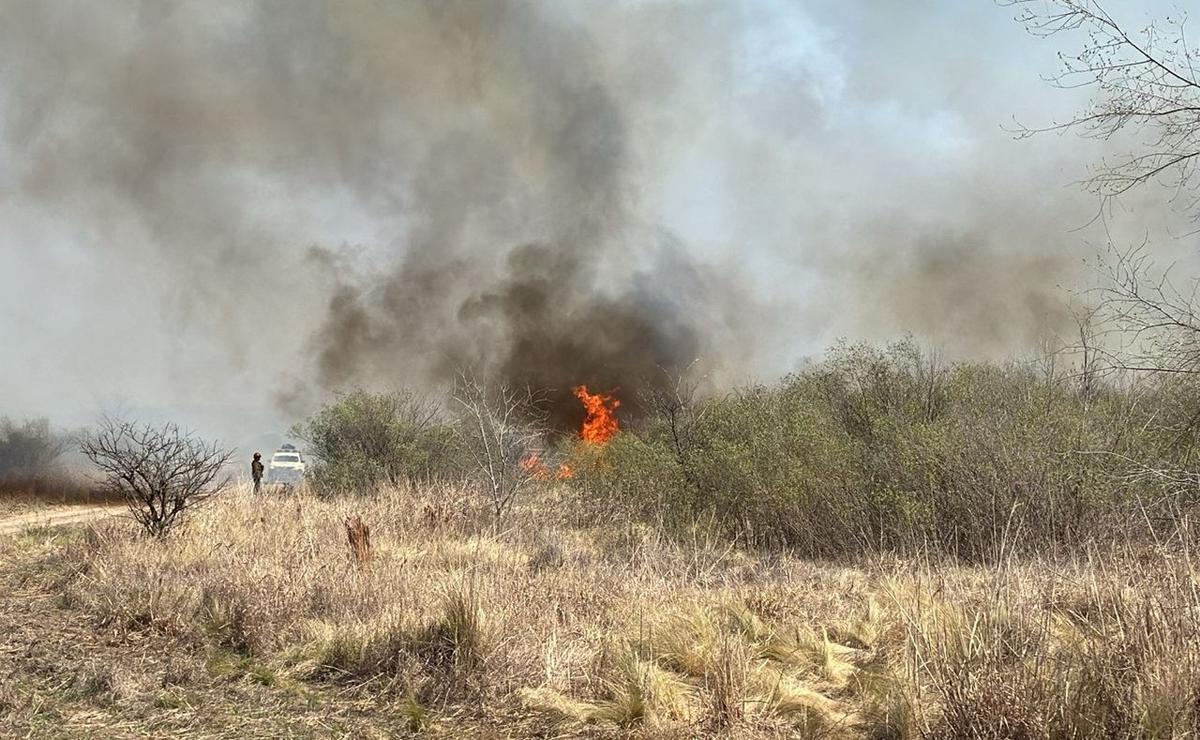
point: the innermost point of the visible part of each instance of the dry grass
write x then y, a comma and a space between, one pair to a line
24, 494
550, 628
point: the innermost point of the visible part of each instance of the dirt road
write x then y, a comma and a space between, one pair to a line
54, 516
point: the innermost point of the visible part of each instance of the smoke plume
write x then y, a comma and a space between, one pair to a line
269, 201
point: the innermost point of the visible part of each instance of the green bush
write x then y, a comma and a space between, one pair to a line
365, 439
891, 450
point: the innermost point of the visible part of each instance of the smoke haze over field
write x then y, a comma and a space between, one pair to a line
233, 209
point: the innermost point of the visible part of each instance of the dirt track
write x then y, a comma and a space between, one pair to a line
54, 516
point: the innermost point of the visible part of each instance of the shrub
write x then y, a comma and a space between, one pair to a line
365, 439
892, 450
160, 472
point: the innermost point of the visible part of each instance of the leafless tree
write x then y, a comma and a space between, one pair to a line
1089, 357
503, 430
1150, 323
1088, 367
931, 372
160, 472
675, 402
1145, 82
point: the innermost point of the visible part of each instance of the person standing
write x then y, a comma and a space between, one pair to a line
256, 471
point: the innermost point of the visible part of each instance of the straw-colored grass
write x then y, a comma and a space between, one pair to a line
551, 627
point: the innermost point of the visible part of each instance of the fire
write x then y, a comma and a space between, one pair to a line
600, 425
532, 464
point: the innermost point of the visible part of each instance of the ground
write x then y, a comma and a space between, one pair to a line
41, 517
63, 676
258, 620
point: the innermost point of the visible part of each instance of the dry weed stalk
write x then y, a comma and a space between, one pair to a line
358, 534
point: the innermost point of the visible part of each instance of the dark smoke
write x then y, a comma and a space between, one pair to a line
570, 306
544, 322
490, 142
264, 202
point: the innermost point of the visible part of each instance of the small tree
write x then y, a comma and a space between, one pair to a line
502, 430
160, 472
1146, 95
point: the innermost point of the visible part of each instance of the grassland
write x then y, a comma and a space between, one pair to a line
255, 620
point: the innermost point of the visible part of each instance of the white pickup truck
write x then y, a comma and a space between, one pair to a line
286, 466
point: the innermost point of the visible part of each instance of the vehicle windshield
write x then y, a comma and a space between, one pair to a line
286, 458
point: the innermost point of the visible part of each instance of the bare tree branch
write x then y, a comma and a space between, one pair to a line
1145, 83
160, 472
503, 430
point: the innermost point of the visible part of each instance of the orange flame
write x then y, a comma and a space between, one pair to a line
532, 464
600, 425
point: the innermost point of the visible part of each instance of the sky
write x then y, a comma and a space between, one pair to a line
222, 213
